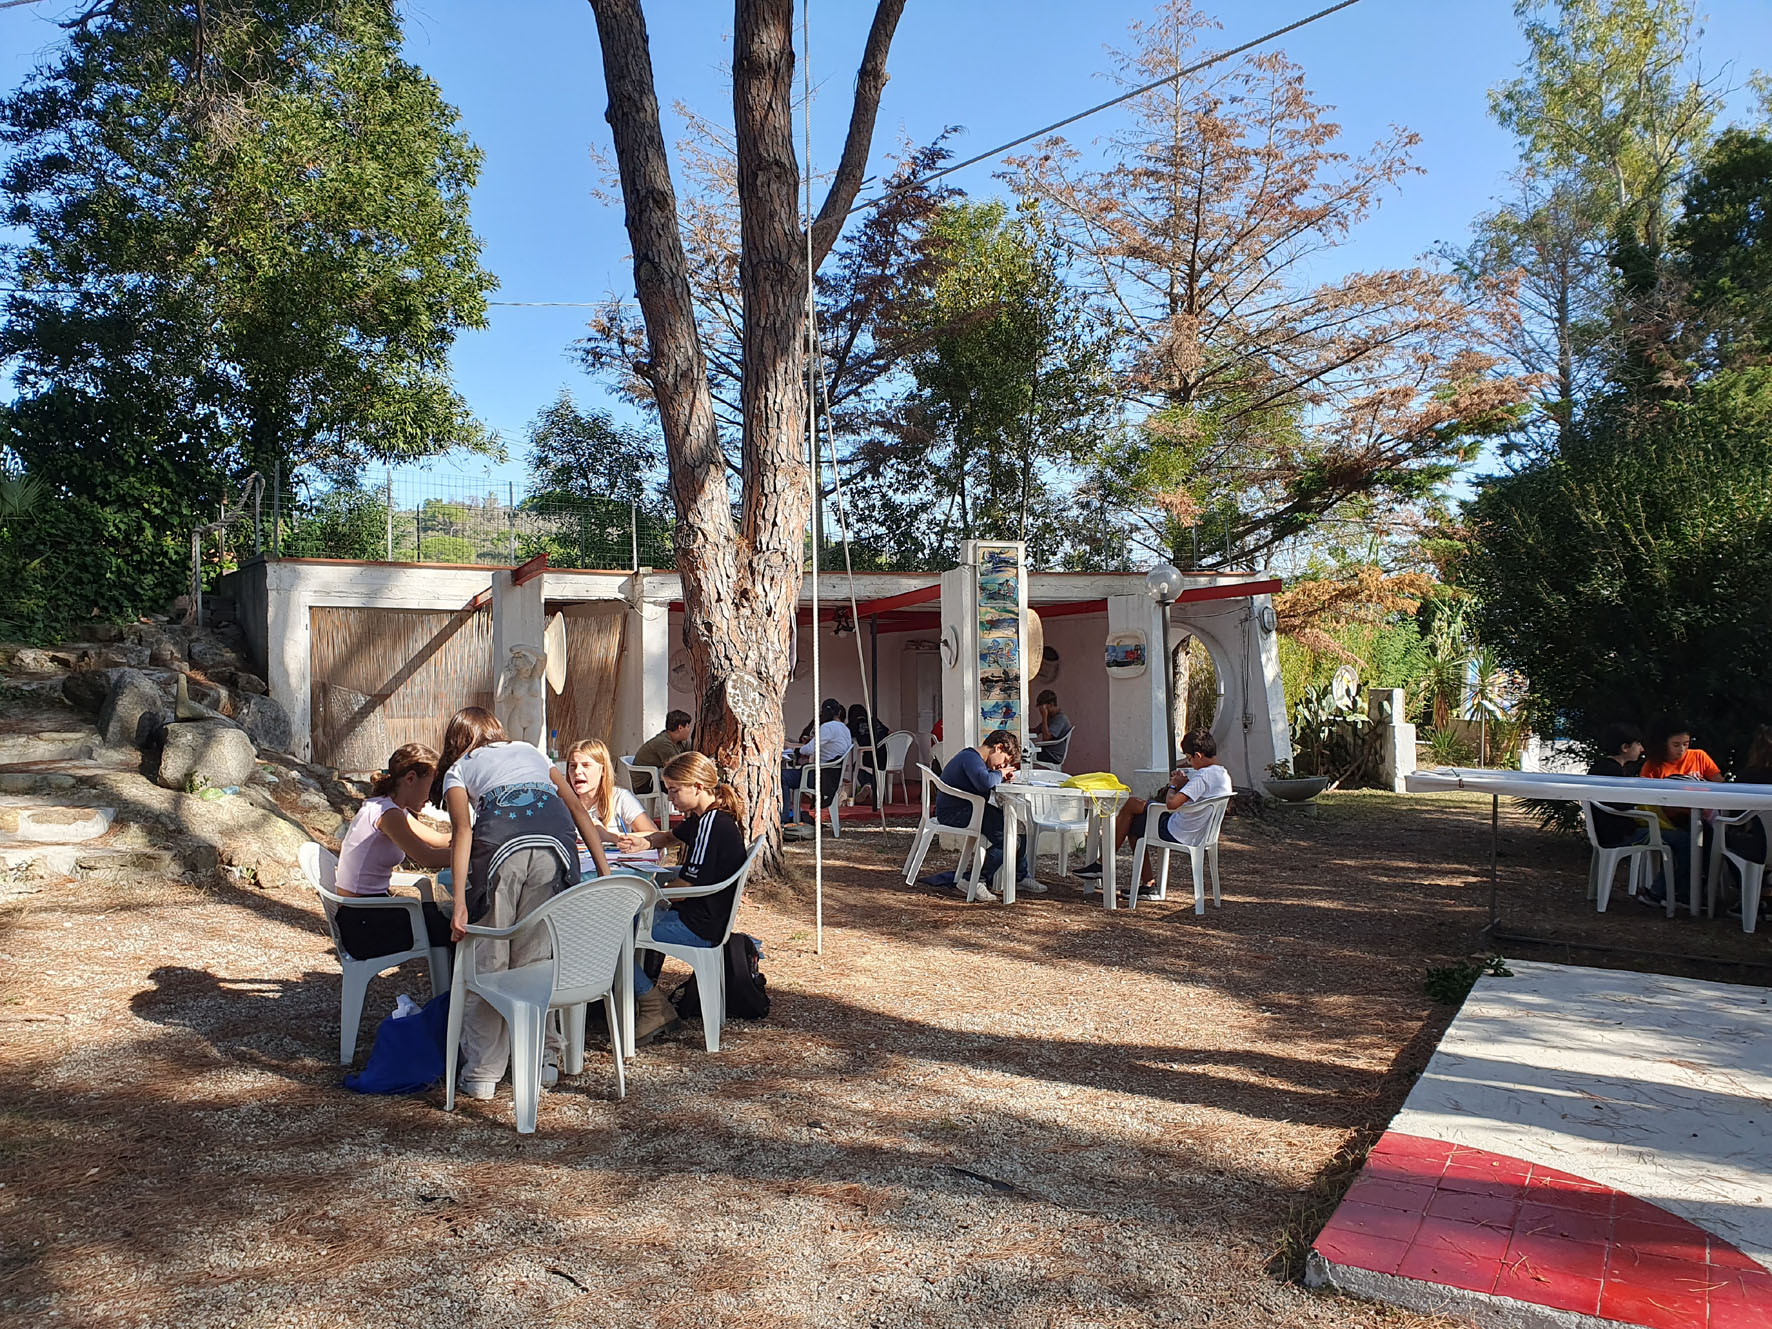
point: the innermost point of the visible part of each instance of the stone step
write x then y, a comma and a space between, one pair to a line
61, 825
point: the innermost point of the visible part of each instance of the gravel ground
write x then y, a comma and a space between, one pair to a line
956, 1115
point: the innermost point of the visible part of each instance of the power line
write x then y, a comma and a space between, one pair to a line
1114, 101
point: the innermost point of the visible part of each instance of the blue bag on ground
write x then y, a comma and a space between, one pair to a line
408, 1052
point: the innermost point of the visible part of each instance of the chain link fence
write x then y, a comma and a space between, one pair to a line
458, 519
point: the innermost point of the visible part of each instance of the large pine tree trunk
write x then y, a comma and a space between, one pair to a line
740, 586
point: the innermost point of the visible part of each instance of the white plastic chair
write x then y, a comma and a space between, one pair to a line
657, 803
708, 962
1059, 746
971, 835
1753, 875
807, 789
320, 866
591, 927
1198, 855
894, 749
1062, 816
1602, 869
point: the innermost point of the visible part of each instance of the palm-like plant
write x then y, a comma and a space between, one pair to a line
20, 493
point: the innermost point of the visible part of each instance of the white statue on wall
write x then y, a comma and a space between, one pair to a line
519, 699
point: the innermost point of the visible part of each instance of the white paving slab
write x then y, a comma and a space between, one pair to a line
1659, 1087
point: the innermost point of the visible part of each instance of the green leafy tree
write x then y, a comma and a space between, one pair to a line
244, 238
1009, 393
1632, 572
584, 454
1723, 249
1610, 111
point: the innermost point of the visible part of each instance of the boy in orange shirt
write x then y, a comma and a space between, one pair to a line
1672, 757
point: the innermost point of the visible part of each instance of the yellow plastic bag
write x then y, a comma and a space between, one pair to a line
1102, 781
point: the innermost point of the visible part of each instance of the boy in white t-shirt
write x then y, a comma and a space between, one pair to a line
1203, 778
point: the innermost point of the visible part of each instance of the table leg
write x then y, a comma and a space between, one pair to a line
1109, 888
1693, 863
1006, 873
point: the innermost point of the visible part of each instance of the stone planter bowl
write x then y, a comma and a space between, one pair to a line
1297, 790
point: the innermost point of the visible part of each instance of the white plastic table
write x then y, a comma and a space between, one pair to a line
1694, 795
1015, 797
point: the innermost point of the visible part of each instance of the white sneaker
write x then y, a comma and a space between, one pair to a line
550, 1075
477, 1089
983, 893
1030, 886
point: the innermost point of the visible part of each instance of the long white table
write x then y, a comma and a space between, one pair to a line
1017, 799
1695, 795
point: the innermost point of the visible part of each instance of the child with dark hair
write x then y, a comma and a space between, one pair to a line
516, 826
1052, 727
1622, 745
1204, 777
980, 770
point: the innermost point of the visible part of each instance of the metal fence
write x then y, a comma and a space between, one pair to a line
455, 518
460, 519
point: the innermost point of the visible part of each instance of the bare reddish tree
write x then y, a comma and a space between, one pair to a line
741, 580
1275, 395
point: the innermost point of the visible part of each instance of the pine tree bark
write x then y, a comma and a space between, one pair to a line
741, 584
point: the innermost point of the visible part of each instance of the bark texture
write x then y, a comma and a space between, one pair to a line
741, 583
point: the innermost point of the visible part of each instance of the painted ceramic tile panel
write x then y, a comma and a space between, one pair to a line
999, 637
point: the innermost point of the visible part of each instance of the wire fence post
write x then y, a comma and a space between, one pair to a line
277, 510
634, 527
258, 507
511, 517
390, 514
418, 534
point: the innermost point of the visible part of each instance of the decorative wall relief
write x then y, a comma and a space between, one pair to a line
1125, 657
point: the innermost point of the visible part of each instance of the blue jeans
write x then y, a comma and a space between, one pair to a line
668, 925
992, 827
1680, 842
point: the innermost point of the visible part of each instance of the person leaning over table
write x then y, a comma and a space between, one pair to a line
385, 833
1672, 757
713, 833
979, 771
1202, 778
515, 826
868, 734
659, 750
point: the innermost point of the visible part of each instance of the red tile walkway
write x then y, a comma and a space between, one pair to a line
1483, 1222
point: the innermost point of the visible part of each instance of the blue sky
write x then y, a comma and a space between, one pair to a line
527, 78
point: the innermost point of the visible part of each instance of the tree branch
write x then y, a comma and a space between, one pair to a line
870, 82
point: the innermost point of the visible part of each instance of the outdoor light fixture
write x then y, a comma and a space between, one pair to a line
1164, 585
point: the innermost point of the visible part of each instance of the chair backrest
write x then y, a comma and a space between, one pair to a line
895, 748
587, 924
1215, 817
739, 879
831, 776
1055, 749
976, 800
631, 769
1587, 821
320, 866
1053, 809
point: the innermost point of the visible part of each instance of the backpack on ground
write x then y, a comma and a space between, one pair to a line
747, 990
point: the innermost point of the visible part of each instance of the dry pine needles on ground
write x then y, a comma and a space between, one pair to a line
957, 1115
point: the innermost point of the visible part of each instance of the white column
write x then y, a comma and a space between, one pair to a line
1137, 736
1270, 725
289, 654
959, 660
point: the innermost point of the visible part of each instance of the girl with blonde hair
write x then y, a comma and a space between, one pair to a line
713, 833
618, 814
